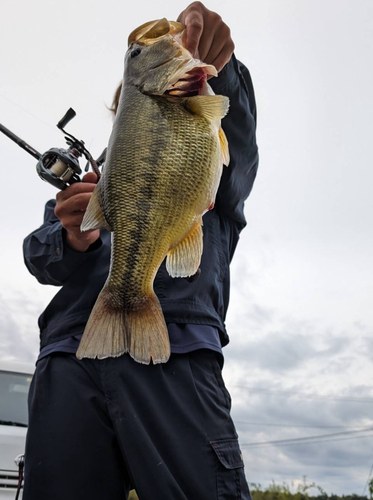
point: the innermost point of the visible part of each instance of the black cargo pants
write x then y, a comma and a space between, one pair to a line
101, 427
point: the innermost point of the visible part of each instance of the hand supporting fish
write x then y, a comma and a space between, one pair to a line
71, 204
163, 167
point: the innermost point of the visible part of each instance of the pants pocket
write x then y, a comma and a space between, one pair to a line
231, 481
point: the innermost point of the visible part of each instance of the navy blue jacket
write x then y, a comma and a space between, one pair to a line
204, 302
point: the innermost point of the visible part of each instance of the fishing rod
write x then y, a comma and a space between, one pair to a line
60, 167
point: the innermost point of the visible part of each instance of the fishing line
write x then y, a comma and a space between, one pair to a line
28, 112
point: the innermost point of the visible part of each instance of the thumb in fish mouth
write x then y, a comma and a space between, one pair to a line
151, 31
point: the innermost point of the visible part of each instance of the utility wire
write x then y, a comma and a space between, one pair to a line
294, 426
305, 396
366, 484
307, 438
312, 442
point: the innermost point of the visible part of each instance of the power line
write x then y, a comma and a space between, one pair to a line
316, 441
366, 484
294, 426
304, 395
307, 438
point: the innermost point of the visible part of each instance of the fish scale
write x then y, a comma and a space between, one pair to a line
164, 162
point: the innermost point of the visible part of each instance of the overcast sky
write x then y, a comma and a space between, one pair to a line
300, 320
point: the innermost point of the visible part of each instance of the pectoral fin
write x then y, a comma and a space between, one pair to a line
184, 259
94, 217
212, 107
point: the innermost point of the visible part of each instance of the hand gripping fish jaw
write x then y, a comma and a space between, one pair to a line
59, 167
172, 70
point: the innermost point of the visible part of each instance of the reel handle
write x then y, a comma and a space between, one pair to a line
70, 114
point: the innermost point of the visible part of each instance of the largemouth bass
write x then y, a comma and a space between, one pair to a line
164, 162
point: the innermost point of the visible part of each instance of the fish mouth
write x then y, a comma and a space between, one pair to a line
190, 79
190, 84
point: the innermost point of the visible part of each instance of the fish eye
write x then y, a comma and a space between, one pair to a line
135, 52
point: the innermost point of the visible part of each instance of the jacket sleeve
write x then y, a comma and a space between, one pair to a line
46, 254
239, 125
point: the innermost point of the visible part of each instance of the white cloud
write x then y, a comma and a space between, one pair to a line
19, 333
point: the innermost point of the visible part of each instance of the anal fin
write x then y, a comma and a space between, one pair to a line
184, 259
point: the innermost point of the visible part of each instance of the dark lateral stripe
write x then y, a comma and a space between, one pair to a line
147, 152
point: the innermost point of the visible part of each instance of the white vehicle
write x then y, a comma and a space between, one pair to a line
15, 379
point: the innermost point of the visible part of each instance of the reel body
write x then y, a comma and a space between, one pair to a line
60, 167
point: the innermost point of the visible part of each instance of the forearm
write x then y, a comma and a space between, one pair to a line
240, 128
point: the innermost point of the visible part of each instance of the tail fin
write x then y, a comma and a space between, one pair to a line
113, 331
147, 332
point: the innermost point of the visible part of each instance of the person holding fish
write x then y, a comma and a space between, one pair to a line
128, 391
